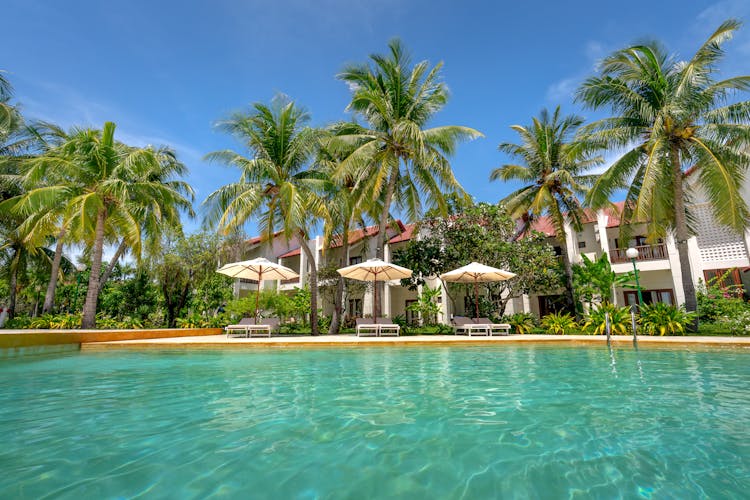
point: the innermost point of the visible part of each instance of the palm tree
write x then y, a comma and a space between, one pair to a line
552, 169
8, 113
276, 185
102, 190
396, 155
346, 209
671, 115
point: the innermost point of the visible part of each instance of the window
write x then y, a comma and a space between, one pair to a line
665, 296
581, 244
357, 259
551, 304
355, 308
733, 280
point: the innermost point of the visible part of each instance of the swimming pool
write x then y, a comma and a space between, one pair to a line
415, 422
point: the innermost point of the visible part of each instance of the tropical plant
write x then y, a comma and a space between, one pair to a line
717, 300
620, 321
664, 319
553, 170
677, 124
109, 191
559, 323
426, 305
521, 323
594, 280
737, 323
184, 270
276, 185
396, 156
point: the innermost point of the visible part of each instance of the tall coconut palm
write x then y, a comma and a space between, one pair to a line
553, 170
277, 185
48, 208
106, 190
346, 209
672, 115
396, 154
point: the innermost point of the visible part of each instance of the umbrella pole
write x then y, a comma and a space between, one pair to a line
476, 299
257, 293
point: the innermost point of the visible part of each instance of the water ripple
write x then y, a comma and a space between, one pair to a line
474, 422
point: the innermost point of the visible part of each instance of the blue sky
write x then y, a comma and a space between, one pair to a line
166, 71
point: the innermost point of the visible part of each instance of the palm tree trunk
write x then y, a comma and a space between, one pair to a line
681, 236
383, 233
13, 285
49, 297
569, 299
313, 284
112, 263
338, 298
92, 294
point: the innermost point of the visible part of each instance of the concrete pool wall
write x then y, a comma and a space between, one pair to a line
27, 342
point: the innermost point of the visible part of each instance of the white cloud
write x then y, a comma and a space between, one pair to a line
562, 90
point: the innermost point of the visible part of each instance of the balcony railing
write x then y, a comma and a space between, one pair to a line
645, 252
292, 281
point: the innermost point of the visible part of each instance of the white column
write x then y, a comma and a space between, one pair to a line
318, 251
674, 268
419, 294
444, 304
696, 262
367, 301
385, 308
302, 268
602, 220
571, 243
525, 304
278, 282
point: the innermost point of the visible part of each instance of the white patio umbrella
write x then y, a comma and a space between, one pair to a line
374, 270
258, 270
476, 273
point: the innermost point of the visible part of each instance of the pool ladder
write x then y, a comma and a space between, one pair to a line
608, 327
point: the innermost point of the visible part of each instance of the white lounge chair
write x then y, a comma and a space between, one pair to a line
264, 327
366, 328
386, 327
240, 329
495, 328
464, 325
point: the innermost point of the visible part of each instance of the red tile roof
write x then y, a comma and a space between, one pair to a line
360, 234
544, 224
257, 239
406, 234
291, 253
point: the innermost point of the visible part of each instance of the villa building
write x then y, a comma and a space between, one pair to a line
713, 251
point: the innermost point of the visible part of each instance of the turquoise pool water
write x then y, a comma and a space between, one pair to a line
417, 422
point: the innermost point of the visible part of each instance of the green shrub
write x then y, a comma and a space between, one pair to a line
324, 323
717, 301
521, 323
664, 319
619, 320
559, 323
19, 322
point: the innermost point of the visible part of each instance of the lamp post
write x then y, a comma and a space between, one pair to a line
632, 254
